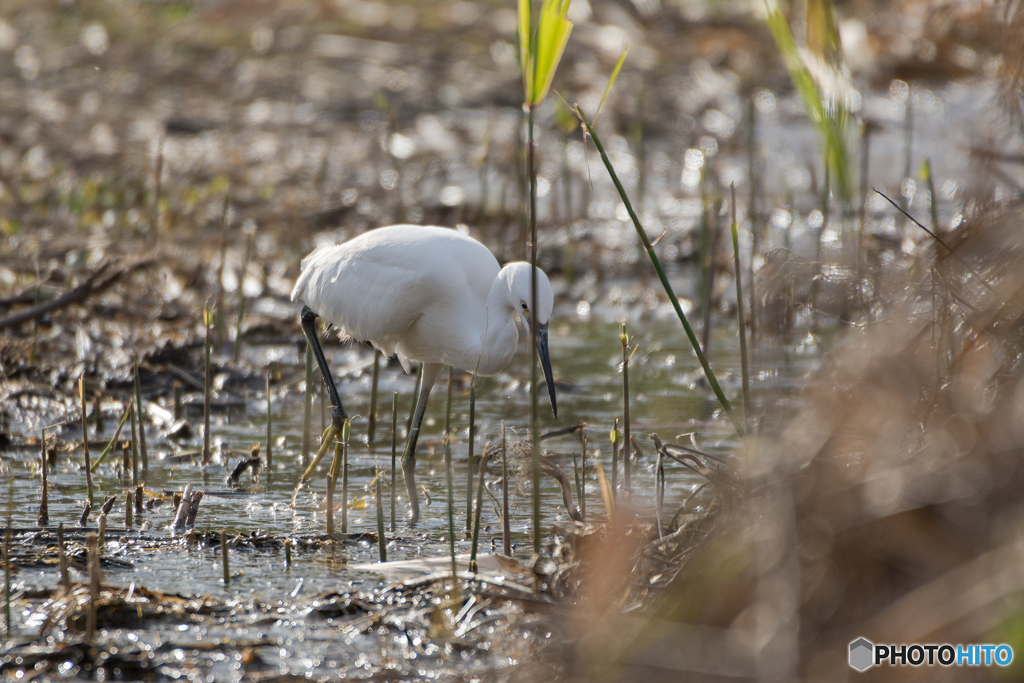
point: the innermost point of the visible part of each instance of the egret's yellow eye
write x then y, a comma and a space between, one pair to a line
524, 305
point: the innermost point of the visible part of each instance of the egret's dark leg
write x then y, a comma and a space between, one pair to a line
308, 320
430, 373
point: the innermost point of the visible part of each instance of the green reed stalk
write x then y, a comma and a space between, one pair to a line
755, 230
740, 320
394, 452
154, 212
219, 302
142, 421
44, 506
534, 432
926, 169
85, 438
642, 234
706, 275
176, 399
908, 147
62, 558
541, 44
415, 393
224, 556
583, 474
469, 458
135, 445
382, 542
110, 447
325, 443
307, 405
506, 527
332, 478
329, 500
624, 339
865, 156
336, 463
35, 322
830, 116
7, 581
371, 426
576, 477
615, 436
236, 347
270, 422
344, 477
207, 319
448, 471
659, 492
97, 413
826, 192
479, 505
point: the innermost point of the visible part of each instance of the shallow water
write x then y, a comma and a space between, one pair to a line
668, 396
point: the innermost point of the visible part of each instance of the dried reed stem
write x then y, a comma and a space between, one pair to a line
91, 543
62, 558
224, 556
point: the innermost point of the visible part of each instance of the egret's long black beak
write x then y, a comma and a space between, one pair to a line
545, 362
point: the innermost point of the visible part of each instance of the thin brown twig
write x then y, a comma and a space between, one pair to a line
92, 285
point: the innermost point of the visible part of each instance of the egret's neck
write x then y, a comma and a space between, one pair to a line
500, 335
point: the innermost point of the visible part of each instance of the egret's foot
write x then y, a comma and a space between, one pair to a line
338, 418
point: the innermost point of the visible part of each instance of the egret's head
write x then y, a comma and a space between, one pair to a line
517, 276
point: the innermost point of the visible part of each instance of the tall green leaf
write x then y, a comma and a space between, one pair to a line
541, 47
826, 111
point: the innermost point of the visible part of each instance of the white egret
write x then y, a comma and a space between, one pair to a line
429, 295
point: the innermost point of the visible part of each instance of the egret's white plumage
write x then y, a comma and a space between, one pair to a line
428, 294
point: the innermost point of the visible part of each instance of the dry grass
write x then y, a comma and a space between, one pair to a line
889, 506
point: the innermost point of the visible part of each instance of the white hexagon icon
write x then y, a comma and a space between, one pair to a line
862, 654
